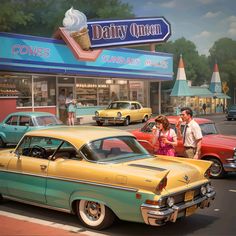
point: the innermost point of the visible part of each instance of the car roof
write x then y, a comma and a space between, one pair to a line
31, 113
173, 119
79, 135
125, 101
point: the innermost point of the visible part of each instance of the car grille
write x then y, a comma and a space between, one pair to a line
180, 197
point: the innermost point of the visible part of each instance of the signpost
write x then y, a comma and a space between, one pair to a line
110, 33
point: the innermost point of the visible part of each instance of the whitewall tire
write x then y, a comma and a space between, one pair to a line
94, 215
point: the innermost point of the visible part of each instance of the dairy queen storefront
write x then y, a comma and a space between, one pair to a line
33, 71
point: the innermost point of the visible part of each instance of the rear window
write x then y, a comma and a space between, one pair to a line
113, 149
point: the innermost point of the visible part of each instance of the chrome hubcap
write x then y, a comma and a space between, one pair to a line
93, 210
215, 168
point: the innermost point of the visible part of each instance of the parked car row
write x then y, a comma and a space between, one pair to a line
100, 174
220, 149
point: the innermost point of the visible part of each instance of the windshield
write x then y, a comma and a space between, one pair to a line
119, 105
233, 107
114, 149
47, 120
208, 128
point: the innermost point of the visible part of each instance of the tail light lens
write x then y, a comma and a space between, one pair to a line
208, 173
161, 185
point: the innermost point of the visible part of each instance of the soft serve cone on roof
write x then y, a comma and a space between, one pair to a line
76, 23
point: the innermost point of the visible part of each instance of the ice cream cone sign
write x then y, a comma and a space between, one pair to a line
75, 23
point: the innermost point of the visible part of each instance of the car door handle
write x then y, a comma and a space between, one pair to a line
43, 167
1, 165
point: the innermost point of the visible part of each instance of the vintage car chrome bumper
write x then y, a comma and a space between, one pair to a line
109, 119
156, 216
230, 166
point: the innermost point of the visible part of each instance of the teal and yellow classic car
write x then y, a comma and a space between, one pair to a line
16, 124
122, 112
99, 174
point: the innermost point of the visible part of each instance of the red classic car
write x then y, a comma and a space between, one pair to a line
220, 149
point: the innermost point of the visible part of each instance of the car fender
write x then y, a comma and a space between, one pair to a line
206, 156
147, 114
108, 200
125, 113
87, 195
3, 136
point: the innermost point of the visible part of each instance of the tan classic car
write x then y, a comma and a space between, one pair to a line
101, 173
123, 112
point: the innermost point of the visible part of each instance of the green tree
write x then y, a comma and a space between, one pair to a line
196, 67
43, 17
12, 15
224, 53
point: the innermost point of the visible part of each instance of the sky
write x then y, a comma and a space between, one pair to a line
200, 21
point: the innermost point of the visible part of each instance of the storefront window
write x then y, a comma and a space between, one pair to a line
18, 86
103, 93
44, 91
86, 91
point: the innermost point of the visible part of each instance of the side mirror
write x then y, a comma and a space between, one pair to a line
17, 154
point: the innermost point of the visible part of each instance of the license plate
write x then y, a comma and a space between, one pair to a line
189, 196
191, 210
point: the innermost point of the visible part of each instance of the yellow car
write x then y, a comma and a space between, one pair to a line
123, 112
100, 174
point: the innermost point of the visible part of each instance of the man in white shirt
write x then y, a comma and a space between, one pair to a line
192, 134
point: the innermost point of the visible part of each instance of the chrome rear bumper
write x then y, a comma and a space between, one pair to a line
156, 216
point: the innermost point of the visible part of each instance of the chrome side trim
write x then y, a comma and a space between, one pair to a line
74, 181
37, 204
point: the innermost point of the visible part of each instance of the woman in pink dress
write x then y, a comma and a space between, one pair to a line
165, 138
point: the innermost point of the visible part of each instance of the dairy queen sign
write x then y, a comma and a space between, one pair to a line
128, 32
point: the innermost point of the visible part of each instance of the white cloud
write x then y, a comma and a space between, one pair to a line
230, 23
232, 26
232, 31
170, 4
232, 18
203, 34
210, 14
